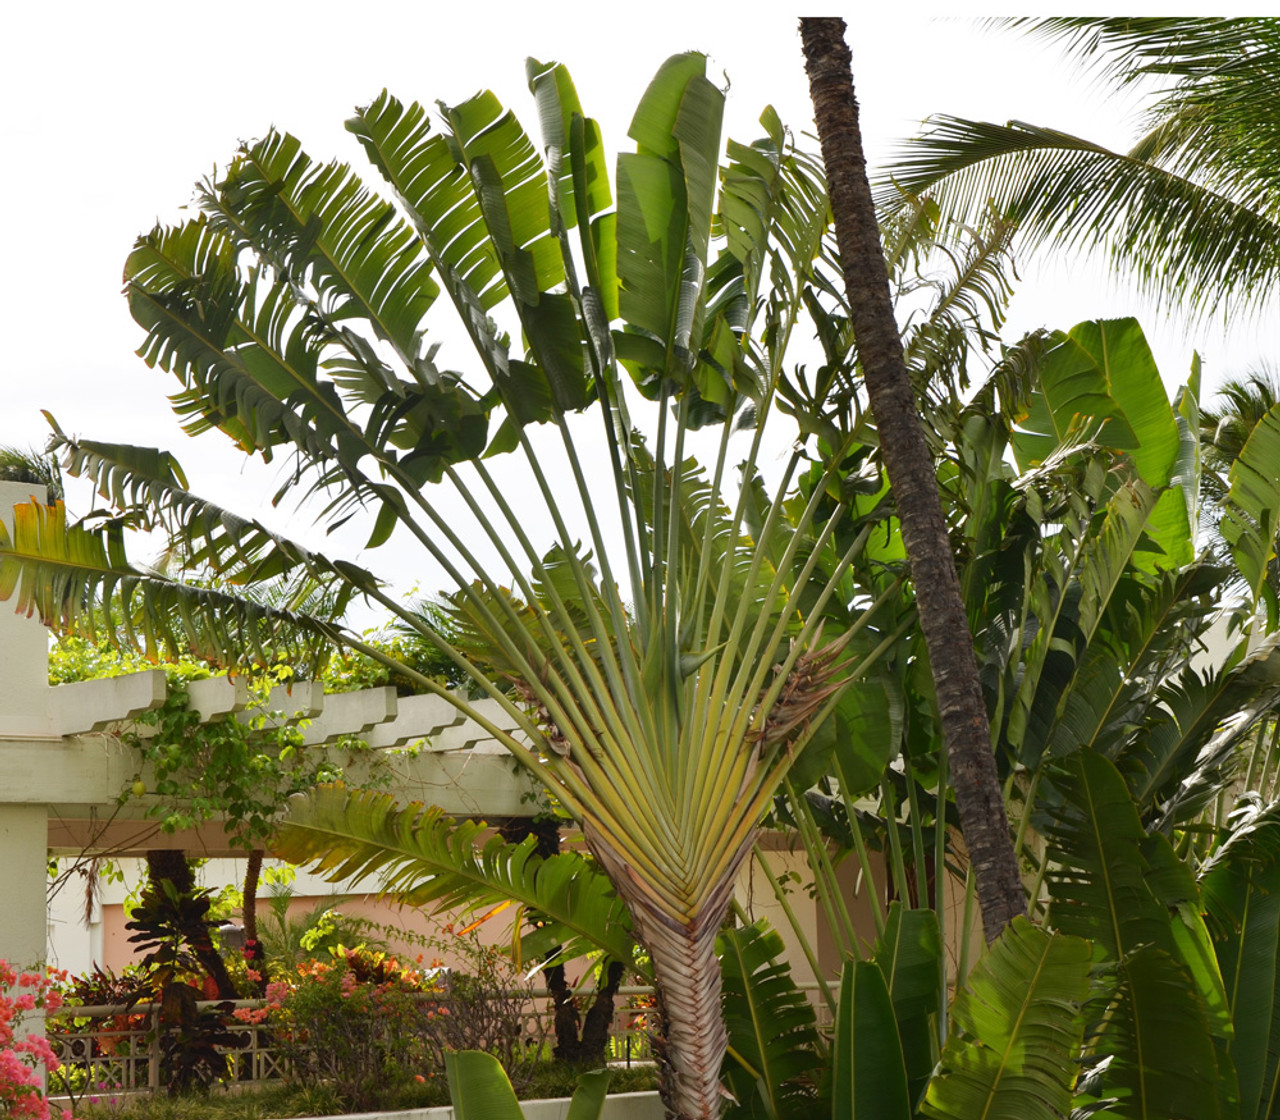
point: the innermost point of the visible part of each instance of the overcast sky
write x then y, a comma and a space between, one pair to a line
112, 111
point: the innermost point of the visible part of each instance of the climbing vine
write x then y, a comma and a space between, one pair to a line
201, 769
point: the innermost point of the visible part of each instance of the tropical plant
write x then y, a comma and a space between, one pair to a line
1190, 210
661, 688
479, 1089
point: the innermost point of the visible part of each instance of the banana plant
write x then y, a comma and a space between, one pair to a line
661, 672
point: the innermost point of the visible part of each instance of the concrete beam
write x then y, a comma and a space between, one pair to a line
89, 771
469, 735
93, 705
417, 717
218, 696
351, 713
462, 784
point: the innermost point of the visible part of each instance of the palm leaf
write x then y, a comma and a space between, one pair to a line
1090, 569
79, 579
1182, 240
909, 952
1251, 513
323, 229
1188, 750
1017, 1028
1240, 885
426, 858
773, 1036
1163, 1059
1165, 1004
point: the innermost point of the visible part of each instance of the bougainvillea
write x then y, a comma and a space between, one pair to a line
21, 1057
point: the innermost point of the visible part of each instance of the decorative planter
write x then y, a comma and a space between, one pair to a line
620, 1106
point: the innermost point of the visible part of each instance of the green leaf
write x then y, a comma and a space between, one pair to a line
429, 858
1072, 399
1101, 380
868, 727
1016, 1031
909, 952
1121, 354
1163, 1060
479, 1088
434, 186
1240, 885
1251, 514
325, 227
588, 1098
1126, 890
771, 1027
79, 580
1073, 616
868, 1075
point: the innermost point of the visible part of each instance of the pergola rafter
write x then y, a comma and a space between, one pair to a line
63, 763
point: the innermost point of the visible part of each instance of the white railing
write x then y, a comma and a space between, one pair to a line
117, 1049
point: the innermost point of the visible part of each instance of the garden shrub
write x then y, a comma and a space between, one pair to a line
21, 1086
363, 1038
366, 1025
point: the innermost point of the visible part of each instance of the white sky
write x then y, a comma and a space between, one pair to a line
112, 111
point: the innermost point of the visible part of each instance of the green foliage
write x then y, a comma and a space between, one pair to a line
909, 952
1240, 888
369, 1025
1017, 1031
773, 1035
357, 1023
868, 1075
1162, 1013
202, 769
290, 942
428, 858
479, 1089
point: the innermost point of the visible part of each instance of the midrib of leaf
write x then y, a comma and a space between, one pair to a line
319, 246
1006, 1053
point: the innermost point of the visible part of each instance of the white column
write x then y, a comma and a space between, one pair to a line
24, 644
24, 828
24, 841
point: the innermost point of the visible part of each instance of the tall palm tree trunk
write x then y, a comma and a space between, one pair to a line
965, 728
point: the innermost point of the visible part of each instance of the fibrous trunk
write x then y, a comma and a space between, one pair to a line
692, 1040
962, 710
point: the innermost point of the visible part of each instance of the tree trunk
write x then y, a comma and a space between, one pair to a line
577, 1041
965, 728
254, 954
599, 1017
171, 864
692, 1039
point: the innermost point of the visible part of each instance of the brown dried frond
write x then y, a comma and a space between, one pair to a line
808, 686
555, 738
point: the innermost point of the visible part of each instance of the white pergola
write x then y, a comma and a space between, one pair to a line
63, 766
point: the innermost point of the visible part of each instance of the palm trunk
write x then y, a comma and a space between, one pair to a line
599, 1016
965, 728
